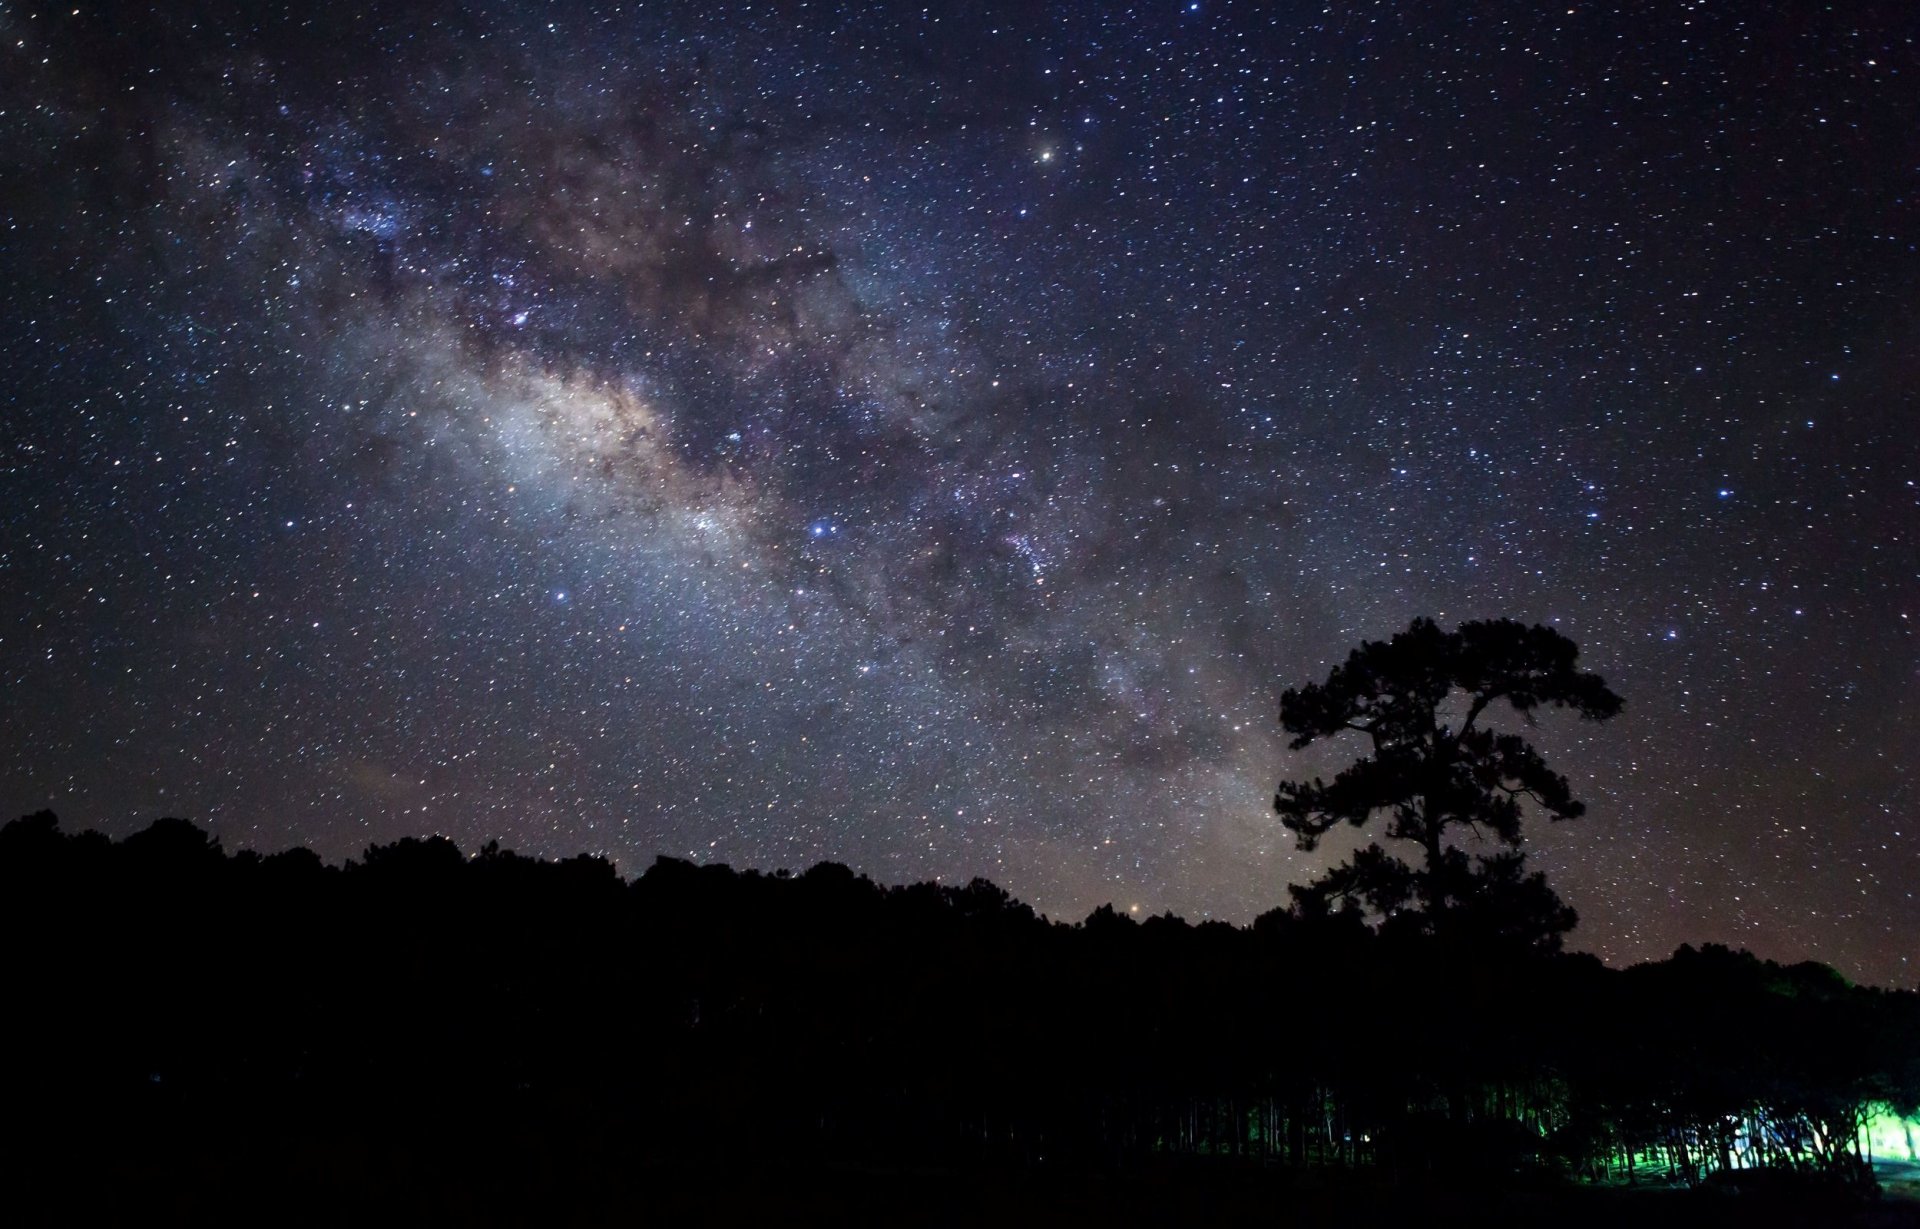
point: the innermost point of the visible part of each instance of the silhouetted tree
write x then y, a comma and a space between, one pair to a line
1422, 699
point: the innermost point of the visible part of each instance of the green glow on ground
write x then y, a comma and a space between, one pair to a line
1889, 1139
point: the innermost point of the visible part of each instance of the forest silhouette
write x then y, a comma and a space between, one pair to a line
420, 1023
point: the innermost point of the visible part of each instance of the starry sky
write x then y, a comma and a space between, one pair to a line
931, 436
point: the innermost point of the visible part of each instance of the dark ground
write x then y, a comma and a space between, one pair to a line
336, 1185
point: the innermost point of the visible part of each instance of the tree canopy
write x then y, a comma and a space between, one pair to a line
1423, 700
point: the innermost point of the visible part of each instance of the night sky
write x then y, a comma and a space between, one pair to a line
930, 438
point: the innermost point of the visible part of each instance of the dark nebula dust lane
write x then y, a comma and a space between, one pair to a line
930, 437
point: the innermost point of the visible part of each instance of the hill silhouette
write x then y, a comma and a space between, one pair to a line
494, 1036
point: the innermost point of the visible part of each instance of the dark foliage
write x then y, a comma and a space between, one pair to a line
173, 1008
1437, 771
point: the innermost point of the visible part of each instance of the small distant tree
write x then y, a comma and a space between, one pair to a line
1436, 769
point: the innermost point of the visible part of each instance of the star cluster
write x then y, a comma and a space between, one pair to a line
930, 436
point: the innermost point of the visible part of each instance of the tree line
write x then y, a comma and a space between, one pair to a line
420, 996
